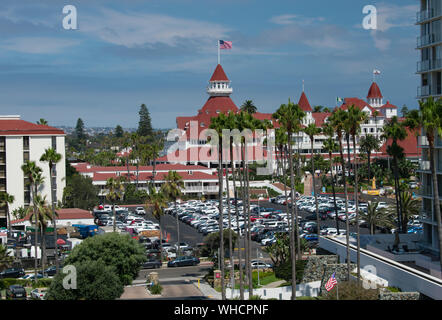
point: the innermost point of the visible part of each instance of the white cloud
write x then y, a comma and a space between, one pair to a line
139, 29
394, 16
286, 19
37, 45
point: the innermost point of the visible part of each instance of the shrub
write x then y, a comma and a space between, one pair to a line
284, 270
42, 283
255, 297
351, 290
156, 289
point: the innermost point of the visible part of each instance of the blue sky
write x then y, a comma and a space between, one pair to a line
163, 52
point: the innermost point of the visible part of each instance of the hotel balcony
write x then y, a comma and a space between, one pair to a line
428, 90
428, 40
429, 65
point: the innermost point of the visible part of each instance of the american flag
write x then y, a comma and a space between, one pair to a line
331, 282
225, 44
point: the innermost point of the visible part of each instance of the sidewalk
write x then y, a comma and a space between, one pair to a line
207, 290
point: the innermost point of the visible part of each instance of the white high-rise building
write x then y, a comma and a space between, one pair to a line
21, 141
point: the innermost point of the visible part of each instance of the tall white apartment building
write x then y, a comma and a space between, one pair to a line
429, 44
21, 141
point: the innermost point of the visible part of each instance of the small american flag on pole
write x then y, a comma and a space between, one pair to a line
225, 44
331, 282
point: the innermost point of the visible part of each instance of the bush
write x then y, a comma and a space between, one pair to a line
284, 270
156, 289
119, 251
255, 297
42, 283
95, 281
6, 282
351, 290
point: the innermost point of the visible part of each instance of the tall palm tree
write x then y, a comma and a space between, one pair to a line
52, 158
248, 107
172, 188
42, 122
33, 173
155, 148
115, 192
356, 117
338, 121
395, 131
367, 145
157, 200
429, 118
311, 131
331, 146
218, 125
290, 116
7, 199
410, 207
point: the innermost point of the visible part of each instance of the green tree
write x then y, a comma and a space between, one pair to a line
429, 118
5, 259
80, 193
368, 144
79, 130
376, 217
42, 122
7, 199
52, 158
157, 201
145, 123
119, 251
290, 116
172, 189
248, 107
95, 281
115, 192
119, 132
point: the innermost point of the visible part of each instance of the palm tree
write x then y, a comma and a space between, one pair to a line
376, 217
368, 144
395, 131
410, 207
338, 121
155, 148
330, 146
356, 117
311, 131
429, 118
5, 259
218, 124
42, 122
33, 174
52, 158
115, 192
290, 116
248, 107
172, 188
7, 199
157, 199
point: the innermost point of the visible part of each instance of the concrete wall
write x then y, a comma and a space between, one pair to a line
396, 274
14, 174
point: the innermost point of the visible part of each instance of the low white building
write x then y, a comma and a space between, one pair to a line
66, 217
21, 141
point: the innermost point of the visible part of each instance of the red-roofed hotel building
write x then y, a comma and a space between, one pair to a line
21, 141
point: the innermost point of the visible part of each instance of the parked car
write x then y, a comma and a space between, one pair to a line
184, 261
140, 211
51, 271
152, 264
16, 292
261, 265
32, 276
12, 273
39, 293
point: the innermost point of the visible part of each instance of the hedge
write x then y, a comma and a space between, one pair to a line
41, 283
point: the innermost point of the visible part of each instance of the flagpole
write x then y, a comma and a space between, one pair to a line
219, 54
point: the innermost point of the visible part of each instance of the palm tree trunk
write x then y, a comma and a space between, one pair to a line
436, 195
334, 192
43, 249
397, 194
232, 268
54, 220
243, 194
369, 165
314, 190
114, 218
220, 220
249, 239
347, 226
241, 284
292, 218
178, 230
358, 259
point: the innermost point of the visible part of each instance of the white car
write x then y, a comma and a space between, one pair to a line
39, 293
140, 210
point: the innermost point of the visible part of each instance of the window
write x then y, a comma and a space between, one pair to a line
25, 143
371, 130
54, 143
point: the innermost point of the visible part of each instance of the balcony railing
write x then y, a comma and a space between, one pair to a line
423, 91
426, 215
425, 15
425, 165
429, 65
423, 141
427, 40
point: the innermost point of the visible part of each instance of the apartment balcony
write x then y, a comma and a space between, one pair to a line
429, 65
423, 91
426, 15
428, 90
428, 40
425, 166
426, 216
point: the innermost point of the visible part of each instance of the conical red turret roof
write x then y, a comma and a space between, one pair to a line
304, 104
374, 92
219, 74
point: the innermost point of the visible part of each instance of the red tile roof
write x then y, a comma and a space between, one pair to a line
388, 105
86, 167
320, 117
22, 127
219, 74
359, 103
374, 91
303, 103
64, 214
409, 145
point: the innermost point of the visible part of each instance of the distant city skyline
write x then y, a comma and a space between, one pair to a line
162, 53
